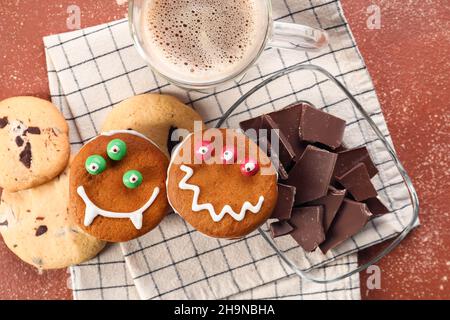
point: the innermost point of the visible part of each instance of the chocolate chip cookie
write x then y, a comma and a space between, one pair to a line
34, 143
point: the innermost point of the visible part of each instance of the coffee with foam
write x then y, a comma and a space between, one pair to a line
203, 41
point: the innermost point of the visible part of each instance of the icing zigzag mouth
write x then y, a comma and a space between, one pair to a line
92, 211
196, 207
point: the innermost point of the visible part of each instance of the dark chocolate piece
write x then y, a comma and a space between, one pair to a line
348, 159
33, 130
288, 120
254, 123
350, 219
3, 122
285, 203
4, 223
41, 230
280, 228
25, 156
264, 145
19, 141
317, 126
376, 206
358, 184
311, 175
331, 204
171, 144
308, 224
285, 152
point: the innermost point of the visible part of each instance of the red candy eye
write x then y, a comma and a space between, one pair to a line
249, 168
229, 155
204, 151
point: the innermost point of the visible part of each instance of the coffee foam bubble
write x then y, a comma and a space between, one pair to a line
203, 39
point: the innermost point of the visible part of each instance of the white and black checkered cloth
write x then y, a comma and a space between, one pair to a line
93, 69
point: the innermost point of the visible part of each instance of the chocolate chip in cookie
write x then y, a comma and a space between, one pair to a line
41, 230
25, 155
33, 130
19, 141
3, 122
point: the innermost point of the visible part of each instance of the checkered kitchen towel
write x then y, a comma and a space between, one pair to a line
93, 69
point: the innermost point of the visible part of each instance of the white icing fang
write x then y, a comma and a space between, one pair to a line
92, 211
196, 207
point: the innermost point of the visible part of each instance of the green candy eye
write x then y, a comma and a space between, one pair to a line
132, 179
116, 149
95, 164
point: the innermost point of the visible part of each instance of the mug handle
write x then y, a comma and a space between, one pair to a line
297, 37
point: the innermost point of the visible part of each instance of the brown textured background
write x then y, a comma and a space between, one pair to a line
408, 59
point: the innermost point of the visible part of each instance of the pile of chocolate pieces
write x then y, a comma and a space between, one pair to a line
325, 191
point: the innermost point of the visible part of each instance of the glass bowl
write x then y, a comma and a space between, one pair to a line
288, 250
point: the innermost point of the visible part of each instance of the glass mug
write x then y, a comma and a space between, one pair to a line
268, 33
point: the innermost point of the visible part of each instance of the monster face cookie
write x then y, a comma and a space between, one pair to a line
222, 183
154, 115
34, 143
35, 225
117, 186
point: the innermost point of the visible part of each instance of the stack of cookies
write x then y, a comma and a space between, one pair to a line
34, 156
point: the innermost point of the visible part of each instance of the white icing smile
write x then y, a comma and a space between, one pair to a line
92, 211
196, 207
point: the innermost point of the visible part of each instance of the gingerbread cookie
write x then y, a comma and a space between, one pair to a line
221, 183
35, 225
34, 143
117, 186
154, 115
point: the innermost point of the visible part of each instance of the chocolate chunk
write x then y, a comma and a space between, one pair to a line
331, 204
25, 156
285, 152
350, 219
41, 230
358, 184
286, 197
311, 175
308, 224
40, 218
33, 130
254, 124
280, 228
376, 206
4, 223
3, 122
264, 145
171, 144
348, 159
320, 127
19, 141
288, 120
